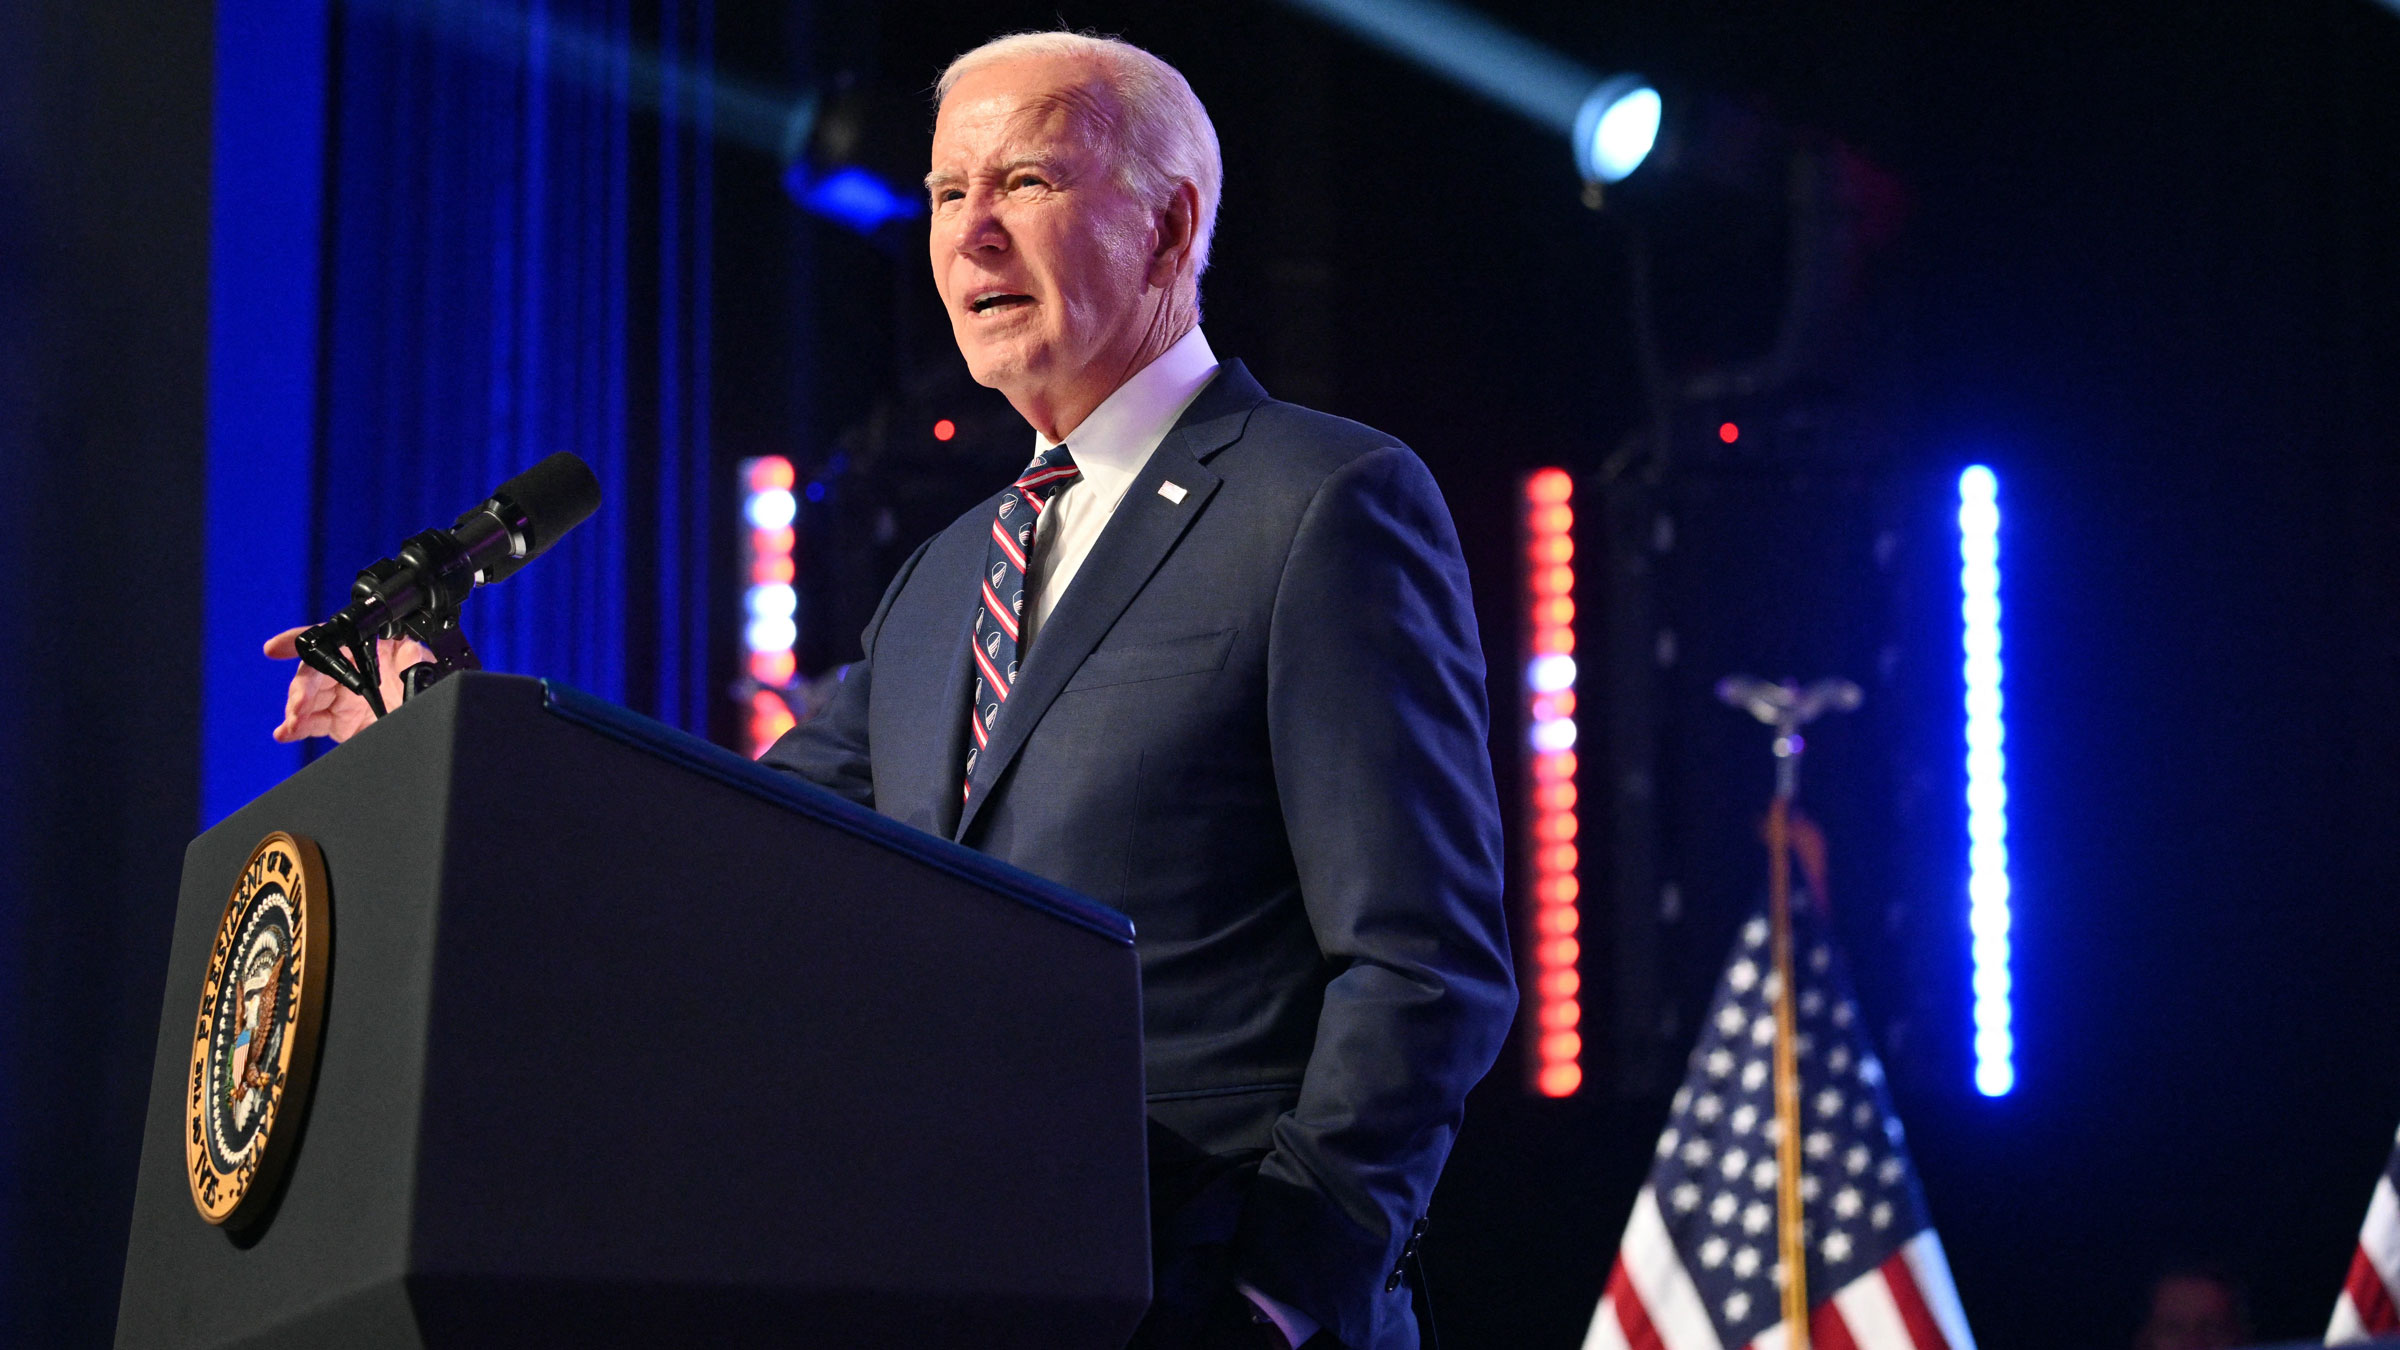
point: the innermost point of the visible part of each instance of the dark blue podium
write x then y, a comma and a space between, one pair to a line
628, 1041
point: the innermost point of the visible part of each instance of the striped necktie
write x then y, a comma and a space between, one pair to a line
1001, 607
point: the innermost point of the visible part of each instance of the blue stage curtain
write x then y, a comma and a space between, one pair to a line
519, 238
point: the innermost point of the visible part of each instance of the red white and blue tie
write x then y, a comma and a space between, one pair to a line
1000, 610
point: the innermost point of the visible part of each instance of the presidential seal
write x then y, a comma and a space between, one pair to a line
255, 1044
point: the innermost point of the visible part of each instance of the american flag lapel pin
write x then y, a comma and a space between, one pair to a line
1173, 492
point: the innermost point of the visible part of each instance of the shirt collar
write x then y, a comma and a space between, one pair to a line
1115, 441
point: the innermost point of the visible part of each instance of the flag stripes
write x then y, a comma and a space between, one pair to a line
1886, 1307
1927, 1298
1659, 1283
2366, 1305
1621, 1324
1828, 1329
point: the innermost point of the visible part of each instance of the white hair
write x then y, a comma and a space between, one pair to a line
1163, 135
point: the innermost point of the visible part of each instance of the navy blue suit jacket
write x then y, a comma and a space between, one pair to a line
1255, 723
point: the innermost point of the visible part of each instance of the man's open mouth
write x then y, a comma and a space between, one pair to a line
991, 300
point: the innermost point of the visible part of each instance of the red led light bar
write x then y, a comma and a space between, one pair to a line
770, 603
1551, 1003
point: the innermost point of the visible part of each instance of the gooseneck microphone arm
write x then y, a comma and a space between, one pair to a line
418, 592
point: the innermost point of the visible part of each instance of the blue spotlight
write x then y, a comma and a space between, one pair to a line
851, 196
1987, 780
1615, 128
1613, 121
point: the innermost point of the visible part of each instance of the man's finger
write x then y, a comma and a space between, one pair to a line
284, 646
289, 728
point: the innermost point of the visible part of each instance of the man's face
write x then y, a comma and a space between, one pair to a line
1044, 262
2189, 1312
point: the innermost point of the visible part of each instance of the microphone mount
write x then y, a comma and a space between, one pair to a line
419, 592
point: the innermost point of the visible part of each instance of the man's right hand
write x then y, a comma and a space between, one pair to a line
316, 706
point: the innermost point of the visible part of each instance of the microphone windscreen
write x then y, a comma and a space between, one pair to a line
555, 496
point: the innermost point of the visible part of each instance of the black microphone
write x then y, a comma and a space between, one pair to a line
418, 591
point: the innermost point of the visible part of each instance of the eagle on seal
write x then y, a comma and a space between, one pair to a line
252, 1070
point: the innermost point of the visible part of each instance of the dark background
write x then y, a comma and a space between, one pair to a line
2147, 273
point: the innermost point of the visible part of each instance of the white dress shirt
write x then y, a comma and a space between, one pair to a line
1110, 447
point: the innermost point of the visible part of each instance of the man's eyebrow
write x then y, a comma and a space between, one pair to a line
941, 178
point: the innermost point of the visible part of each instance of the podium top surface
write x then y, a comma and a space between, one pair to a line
797, 794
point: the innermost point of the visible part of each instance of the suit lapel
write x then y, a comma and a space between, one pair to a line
1145, 529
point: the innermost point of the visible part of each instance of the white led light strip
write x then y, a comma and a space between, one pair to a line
1987, 780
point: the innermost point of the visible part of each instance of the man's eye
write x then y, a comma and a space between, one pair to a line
1028, 180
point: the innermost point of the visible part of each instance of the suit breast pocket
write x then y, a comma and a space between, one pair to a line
1195, 655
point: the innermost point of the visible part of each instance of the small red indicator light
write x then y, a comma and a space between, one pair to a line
1729, 433
944, 429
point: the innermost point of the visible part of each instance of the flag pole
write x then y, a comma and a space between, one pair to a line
1790, 1215
1787, 708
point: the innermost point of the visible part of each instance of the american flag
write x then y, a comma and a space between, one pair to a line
1698, 1267
2366, 1305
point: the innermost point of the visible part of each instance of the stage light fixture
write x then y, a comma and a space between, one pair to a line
1988, 897
1615, 128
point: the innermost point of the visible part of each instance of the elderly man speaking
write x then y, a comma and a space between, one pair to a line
1209, 659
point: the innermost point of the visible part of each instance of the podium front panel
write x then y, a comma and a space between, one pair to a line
627, 1037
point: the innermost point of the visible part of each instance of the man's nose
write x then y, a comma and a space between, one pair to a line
978, 224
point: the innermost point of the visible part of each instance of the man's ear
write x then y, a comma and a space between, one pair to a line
1177, 224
